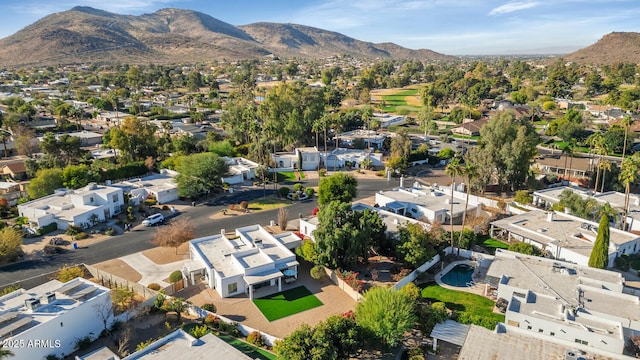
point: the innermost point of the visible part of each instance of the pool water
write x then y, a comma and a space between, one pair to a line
459, 276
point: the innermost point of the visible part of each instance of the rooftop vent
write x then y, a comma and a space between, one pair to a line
550, 216
32, 304
49, 297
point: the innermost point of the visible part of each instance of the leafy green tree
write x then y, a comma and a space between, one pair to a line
506, 150
77, 176
45, 182
337, 187
524, 248
10, 244
416, 244
386, 314
135, 139
599, 258
344, 235
523, 197
200, 173
5, 353
64, 149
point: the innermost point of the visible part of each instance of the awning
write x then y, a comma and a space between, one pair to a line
451, 332
262, 277
290, 272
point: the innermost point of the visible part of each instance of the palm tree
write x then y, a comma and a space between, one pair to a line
607, 210
453, 169
628, 174
4, 136
470, 171
604, 165
4, 353
626, 122
568, 152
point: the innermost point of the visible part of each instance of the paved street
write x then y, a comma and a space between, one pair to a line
140, 238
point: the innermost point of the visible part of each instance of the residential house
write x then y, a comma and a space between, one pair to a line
82, 207
11, 192
307, 158
88, 138
180, 345
14, 169
240, 264
161, 186
112, 117
574, 304
546, 198
387, 120
50, 318
341, 157
470, 128
240, 170
570, 167
562, 236
370, 138
429, 204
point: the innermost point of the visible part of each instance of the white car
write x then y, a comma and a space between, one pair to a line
153, 220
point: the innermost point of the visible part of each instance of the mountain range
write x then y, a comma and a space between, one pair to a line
170, 36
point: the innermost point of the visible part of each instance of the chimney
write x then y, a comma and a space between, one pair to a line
550, 216
402, 181
222, 232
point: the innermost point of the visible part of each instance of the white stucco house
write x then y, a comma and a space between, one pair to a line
339, 157
371, 138
567, 302
161, 186
82, 207
563, 236
251, 259
305, 158
432, 204
240, 170
50, 318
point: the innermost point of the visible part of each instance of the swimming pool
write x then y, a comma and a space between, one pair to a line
460, 275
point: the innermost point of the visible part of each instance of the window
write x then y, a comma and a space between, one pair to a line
91, 199
529, 327
115, 198
232, 288
540, 331
552, 333
582, 342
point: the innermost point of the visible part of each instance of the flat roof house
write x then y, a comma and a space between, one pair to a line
161, 186
563, 236
251, 259
82, 207
306, 158
569, 302
50, 318
240, 170
548, 197
370, 137
339, 157
431, 203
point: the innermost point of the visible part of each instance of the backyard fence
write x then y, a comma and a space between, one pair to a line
333, 276
244, 329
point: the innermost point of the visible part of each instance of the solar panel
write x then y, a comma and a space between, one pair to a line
8, 316
11, 327
65, 289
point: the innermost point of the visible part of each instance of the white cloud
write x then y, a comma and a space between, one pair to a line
513, 6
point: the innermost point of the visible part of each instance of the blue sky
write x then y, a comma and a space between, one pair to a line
455, 27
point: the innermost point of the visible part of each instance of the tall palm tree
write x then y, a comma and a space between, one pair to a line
626, 122
470, 171
628, 174
604, 165
568, 152
4, 137
607, 210
453, 168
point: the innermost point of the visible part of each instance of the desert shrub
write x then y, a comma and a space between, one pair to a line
400, 275
317, 272
310, 192
144, 344
322, 172
255, 338
150, 201
73, 230
154, 286
244, 204
523, 197
212, 321
284, 191
83, 343
52, 249
47, 228
232, 207
81, 235
9, 289
199, 331
175, 276
298, 187
234, 331
209, 307
69, 273
110, 232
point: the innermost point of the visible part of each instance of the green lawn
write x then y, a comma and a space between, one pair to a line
471, 308
560, 145
492, 244
286, 303
267, 203
248, 349
290, 175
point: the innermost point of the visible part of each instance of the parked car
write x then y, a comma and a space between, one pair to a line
153, 220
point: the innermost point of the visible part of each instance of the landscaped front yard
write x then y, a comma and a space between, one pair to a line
267, 203
287, 303
470, 308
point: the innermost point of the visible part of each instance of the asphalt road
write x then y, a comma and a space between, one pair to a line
139, 238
